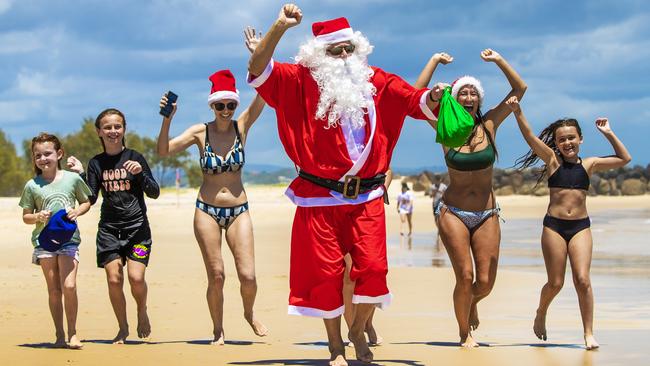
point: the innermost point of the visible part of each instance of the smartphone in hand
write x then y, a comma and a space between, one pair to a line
166, 111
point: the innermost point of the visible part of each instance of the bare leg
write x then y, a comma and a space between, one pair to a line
139, 289
336, 347
68, 276
580, 249
348, 292
50, 268
456, 239
240, 240
402, 221
356, 334
409, 220
208, 235
115, 278
485, 250
554, 249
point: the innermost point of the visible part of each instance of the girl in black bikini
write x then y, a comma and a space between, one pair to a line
566, 231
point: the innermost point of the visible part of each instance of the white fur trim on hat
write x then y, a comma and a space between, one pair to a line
468, 80
223, 94
340, 35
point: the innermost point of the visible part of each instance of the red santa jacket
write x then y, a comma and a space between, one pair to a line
293, 93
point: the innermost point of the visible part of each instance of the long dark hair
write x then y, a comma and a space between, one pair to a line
44, 137
479, 119
109, 112
548, 137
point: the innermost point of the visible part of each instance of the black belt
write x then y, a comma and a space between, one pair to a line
350, 187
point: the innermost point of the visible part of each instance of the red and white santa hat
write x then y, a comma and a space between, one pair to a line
332, 31
223, 87
468, 80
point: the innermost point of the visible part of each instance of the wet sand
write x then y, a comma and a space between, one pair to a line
418, 329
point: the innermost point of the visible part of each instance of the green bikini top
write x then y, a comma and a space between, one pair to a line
470, 161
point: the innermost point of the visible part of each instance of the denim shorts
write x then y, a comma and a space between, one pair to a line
70, 249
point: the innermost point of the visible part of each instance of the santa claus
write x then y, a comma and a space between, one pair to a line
339, 120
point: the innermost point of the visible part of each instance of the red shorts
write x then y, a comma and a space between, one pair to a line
320, 237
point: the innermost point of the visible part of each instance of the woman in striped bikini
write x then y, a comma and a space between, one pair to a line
467, 214
222, 205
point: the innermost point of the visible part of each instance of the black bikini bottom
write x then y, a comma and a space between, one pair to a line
566, 228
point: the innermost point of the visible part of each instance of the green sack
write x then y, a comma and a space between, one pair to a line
455, 124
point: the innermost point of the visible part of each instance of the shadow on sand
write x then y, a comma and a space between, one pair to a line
202, 342
495, 345
442, 344
42, 345
321, 362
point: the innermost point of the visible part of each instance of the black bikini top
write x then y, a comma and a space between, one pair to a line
569, 175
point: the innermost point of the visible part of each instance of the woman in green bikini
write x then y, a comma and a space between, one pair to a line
467, 214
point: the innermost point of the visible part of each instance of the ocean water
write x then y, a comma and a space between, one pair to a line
620, 270
621, 245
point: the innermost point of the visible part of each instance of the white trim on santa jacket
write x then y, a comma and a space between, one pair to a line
382, 301
305, 311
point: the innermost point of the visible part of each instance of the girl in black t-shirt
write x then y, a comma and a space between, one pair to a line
123, 235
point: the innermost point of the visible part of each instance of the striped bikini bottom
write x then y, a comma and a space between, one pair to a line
224, 216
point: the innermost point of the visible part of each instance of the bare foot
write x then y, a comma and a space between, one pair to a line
120, 338
468, 342
75, 343
219, 339
337, 356
361, 347
60, 342
373, 338
539, 327
590, 342
338, 361
144, 327
473, 318
258, 328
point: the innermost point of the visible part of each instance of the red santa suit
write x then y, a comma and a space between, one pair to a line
327, 225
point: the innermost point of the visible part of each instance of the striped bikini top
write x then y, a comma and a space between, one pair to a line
211, 163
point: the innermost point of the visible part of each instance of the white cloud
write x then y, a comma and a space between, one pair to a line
589, 52
5, 5
38, 84
22, 42
17, 112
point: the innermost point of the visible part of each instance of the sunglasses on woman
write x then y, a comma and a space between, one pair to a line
221, 106
337, 50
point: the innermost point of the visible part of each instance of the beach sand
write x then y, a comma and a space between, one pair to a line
418, 329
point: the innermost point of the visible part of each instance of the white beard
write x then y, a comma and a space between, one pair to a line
344, 84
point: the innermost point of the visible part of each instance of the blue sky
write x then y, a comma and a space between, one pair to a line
62, 61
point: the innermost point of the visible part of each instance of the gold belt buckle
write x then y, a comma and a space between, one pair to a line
346, 186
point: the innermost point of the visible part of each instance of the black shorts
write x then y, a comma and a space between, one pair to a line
134, 244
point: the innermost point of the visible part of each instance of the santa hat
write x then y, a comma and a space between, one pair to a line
332, 31
468, 80
223, 87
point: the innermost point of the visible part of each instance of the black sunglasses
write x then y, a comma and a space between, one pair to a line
221, 106
335, 51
